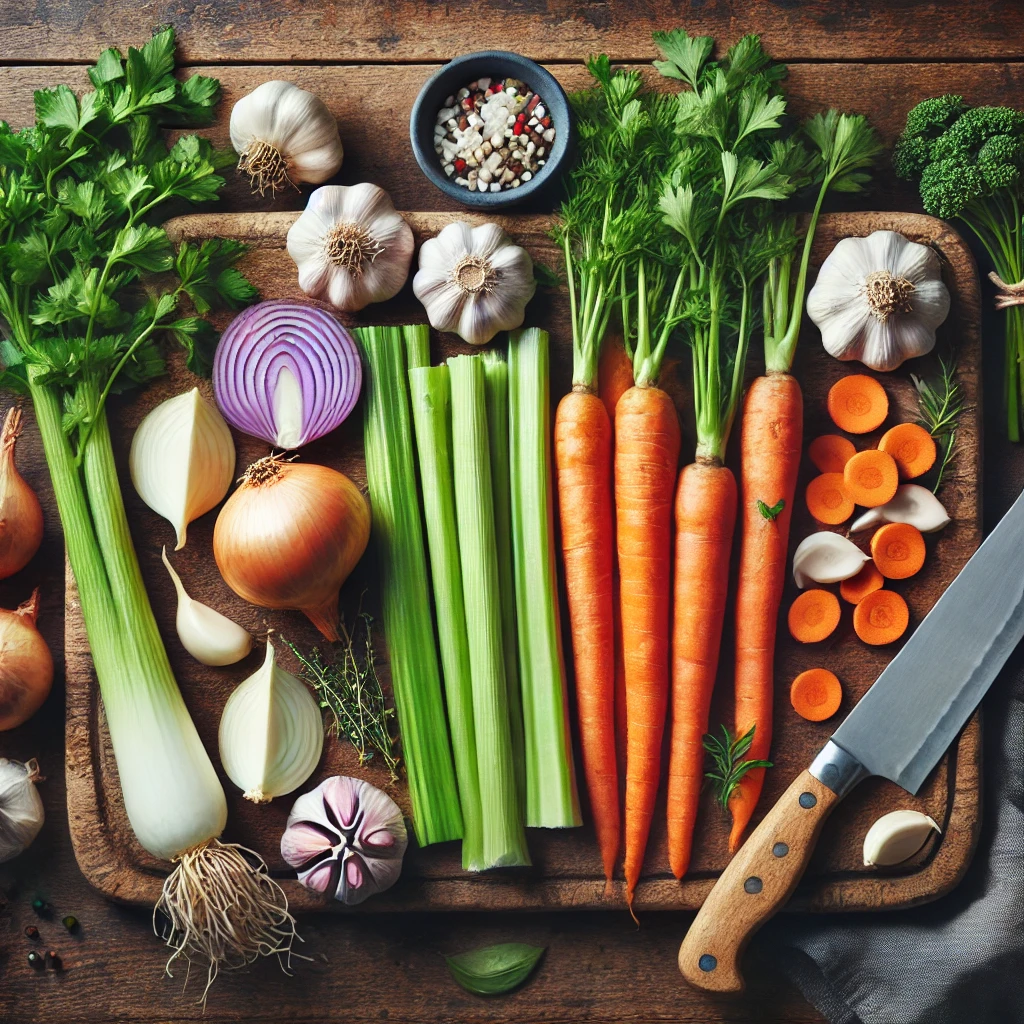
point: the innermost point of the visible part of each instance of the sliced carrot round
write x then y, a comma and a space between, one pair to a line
898, 550
881, 617
816, 694
867, 581
827, 499
831, 452
813, 616
871, 478
912, 448
858, 404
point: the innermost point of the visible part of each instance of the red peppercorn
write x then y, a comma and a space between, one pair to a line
460, 165
517, 128
546, 121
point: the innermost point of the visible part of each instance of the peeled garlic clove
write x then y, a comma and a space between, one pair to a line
271, 734
911, 504
826, 557
345, 838
896, 836
211, 638
182, 460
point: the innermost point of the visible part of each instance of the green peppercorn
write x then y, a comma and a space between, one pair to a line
70, 922
40, 906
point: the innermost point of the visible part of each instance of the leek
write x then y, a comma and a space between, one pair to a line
496, 384
504, 842
408, 626
551, 798
431, 407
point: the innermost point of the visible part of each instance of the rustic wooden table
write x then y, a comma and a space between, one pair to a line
368, 60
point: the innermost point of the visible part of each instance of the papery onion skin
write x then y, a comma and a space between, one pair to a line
21, 516
273, 336
289, 537
26, 665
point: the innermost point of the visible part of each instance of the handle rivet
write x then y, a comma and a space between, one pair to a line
753, 885
807, 800
707, 963
780, 850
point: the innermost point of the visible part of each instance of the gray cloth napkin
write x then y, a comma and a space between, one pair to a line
959, 960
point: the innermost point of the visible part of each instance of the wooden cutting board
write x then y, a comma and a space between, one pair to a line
566, 872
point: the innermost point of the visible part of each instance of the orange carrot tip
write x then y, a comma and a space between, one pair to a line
858, 404
831, 452
827, 499
912, 448
816, 694
813, 616
881, 618
867, 581
898, 550
870, 478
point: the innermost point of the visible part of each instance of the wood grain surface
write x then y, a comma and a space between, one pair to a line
366, 61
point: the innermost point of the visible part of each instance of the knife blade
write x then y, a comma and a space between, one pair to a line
899, 730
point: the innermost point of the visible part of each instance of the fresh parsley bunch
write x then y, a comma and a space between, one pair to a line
90, 284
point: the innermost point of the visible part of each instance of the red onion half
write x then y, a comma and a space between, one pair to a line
286, 372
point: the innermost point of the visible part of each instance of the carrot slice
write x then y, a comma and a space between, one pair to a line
816, 694
858, 404
881, 617
867, 581
827, 499
898, 550
871, 478
813, 616
911, 446
831, 452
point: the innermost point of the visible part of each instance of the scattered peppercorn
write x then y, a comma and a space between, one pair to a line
493, 136
70, 922
53, 959
35, 959
32, 932
41, 907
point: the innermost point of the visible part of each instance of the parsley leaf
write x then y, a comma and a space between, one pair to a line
771, 512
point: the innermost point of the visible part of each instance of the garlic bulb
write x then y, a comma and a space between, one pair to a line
346, 838
21, 807
271, 734
897, 836
211, 638
879, 299
350, 246
911, 504
826, 557
284, 135
182, 459
474, 281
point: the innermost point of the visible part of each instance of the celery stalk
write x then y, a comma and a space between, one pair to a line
504, 840
551, 798
430, 387
496, 385
408, 626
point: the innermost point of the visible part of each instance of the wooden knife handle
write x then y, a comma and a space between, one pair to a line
757, 882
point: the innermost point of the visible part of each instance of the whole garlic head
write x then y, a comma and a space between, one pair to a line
346, 838
474, 281
879, 299
284, 135
350, 246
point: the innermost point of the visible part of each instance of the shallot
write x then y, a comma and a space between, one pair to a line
26, 667
21, 517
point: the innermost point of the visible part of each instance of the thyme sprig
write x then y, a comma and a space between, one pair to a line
728, 766
939, 409
348, 686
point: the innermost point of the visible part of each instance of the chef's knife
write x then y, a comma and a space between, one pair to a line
899, 730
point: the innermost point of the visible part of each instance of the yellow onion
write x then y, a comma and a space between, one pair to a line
289, 537
26, 667
21, 517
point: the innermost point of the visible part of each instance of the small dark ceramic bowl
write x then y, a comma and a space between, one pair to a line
460, 72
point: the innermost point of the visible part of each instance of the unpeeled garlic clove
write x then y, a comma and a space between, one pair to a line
271, 733
911, 504
211, 638
896, 836
826, 557
182, 459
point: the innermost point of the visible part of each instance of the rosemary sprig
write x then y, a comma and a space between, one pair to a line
347, 685
727, 761
939, 409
